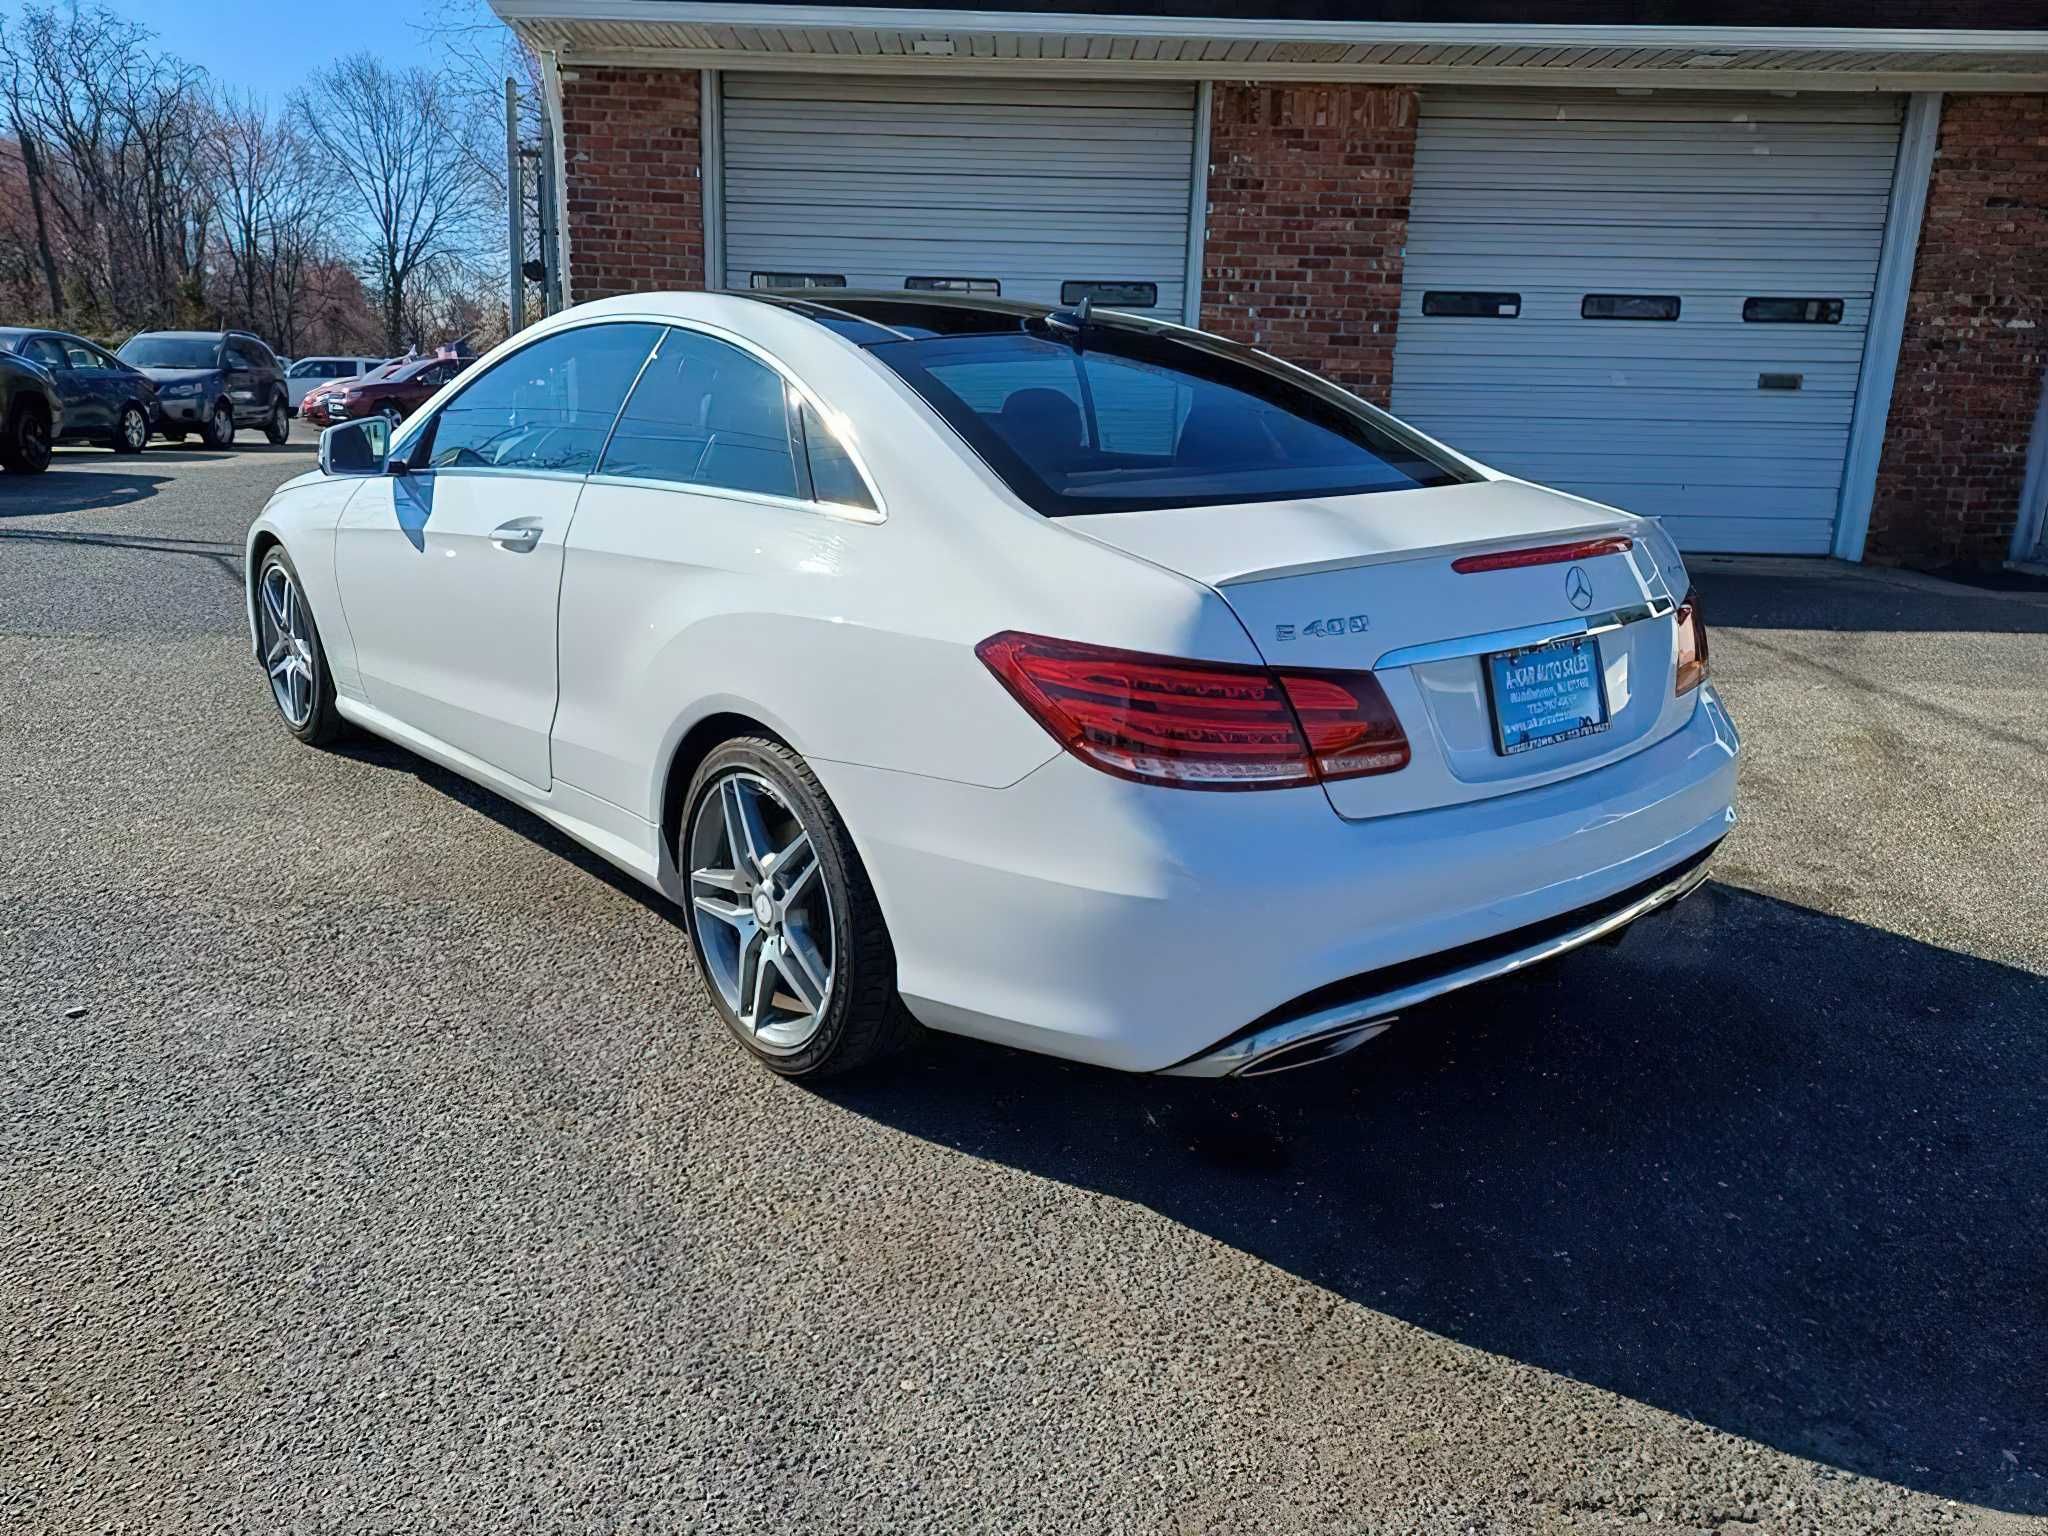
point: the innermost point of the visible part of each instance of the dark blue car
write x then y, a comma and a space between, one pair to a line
105, 401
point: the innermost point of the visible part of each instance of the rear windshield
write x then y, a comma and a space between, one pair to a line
171, 352
1130, 421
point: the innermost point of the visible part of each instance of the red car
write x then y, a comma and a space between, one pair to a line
394, 391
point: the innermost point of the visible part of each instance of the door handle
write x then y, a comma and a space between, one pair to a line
520, 535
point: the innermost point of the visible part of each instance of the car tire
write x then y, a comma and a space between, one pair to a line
393, 416
277, 426
862, 1019
25, 444
288, 638
131, 430
219, 430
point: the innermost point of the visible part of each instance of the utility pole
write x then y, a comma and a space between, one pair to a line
515, 216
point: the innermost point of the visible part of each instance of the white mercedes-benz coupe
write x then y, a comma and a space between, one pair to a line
1075, 681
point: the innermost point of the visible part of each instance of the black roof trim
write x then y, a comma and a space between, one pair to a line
870, 316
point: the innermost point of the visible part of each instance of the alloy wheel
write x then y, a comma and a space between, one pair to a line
287, 646
763, 909
134, 429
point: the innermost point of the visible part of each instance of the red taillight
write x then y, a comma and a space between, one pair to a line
1199, 724
1351, 728
1545, 554
1692, 645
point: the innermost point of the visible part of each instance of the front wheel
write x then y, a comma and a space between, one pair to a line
293, 658
219, 431
278, 425
785, 926
131, 432
25, 446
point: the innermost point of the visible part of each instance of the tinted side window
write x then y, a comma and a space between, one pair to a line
833, 476
45, 351
705, 413
546, 407
237, 358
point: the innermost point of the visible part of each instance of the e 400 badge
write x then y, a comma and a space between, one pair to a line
1335, 624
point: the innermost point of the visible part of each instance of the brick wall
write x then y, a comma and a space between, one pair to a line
632, 140
1976, 340
1308, 214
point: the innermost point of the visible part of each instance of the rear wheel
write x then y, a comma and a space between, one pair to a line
277, 426
25, 445
785, 926
131, 431
219, 431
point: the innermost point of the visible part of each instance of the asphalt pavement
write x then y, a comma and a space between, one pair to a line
372, 1161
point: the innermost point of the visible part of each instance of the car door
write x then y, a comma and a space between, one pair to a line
710, 487
450, 571
85, 414
104, 378
243, 373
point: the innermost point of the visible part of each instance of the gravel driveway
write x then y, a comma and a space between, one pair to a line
374, 1164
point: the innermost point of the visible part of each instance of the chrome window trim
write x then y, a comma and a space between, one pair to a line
407, 438
493, 472
833, 509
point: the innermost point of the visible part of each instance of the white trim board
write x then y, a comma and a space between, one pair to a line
1887, 323
1073, 23
2030, 534
1555, 78
711, 174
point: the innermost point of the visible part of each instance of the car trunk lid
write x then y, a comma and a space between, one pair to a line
1374, 583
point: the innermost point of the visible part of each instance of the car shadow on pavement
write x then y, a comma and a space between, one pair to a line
1778, 1172
55, 493
359, 746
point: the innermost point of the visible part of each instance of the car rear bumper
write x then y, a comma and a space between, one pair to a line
1145, 928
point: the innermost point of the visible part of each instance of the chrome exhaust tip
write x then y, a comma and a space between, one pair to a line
1308, 1053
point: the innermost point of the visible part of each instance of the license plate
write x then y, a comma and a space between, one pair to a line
1546, 694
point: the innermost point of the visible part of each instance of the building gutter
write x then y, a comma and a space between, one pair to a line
1222, 28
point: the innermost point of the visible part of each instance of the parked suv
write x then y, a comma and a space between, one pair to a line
394, 393
212, 382
309, 373
104, 400
31, 416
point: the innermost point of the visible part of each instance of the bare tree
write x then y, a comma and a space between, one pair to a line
106, 130
411, 175
273, 198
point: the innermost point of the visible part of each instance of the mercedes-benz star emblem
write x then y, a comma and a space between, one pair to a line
1578, 588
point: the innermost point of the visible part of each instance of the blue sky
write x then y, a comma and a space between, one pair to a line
269, 47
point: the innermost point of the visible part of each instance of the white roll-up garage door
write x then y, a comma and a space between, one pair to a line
1654, 300
1031, 187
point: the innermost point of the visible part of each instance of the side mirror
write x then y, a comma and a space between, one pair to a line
356, 447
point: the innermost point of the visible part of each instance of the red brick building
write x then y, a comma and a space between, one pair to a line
1781, 282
